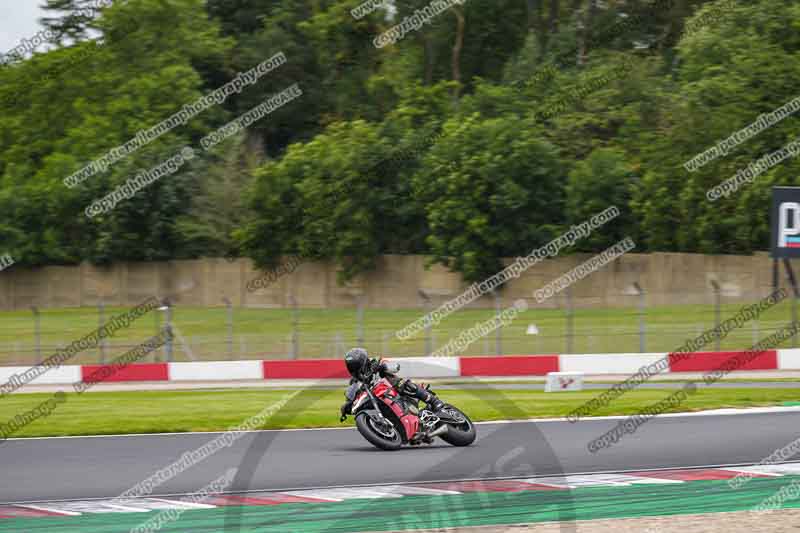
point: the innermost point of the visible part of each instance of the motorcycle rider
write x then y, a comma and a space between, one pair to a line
363, 369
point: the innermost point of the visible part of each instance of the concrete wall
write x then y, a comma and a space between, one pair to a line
668, 278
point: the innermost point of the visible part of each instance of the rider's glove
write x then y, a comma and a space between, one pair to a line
389, 368
406, 386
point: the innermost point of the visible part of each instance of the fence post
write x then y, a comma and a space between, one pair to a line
360, 320
428, 328
295, 325
157, 321
168, 344
229, 307
642, 325
794, 319
754, 328
498, 308
101, 321
717, 301
428, 307
37, 333
570, 320
339, 346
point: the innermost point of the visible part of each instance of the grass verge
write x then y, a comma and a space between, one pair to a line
100, 413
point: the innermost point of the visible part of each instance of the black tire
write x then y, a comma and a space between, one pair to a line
364, 425
460, 435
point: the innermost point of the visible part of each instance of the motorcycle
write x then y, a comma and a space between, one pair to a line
388, 419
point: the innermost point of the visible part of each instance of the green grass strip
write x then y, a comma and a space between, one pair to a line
105, 413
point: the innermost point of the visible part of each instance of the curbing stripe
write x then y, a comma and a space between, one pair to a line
523, 365
134, 372
709, 361
789, 359
311, 369
343, 494
627, 363
215, 371
420, 367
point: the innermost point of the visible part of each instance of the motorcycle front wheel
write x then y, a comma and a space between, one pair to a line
376, 435
461, 434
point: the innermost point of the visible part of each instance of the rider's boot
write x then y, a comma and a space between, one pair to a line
424, 394
433, 402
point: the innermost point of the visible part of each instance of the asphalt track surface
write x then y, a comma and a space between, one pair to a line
104, 467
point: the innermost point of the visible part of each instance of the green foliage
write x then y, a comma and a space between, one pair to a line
601, 180
480, 135
342, 207
490, 188
217, 190
736, 62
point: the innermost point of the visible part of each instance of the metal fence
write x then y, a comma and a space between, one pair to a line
230, 333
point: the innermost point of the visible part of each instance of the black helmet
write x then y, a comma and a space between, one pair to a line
356, 361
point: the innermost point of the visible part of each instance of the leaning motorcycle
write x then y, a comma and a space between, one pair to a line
388, 419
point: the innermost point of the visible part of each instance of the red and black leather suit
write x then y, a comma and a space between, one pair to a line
365, 369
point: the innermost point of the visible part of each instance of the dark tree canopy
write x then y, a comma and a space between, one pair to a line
482, 134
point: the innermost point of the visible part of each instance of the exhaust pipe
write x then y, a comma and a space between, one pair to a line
441, 430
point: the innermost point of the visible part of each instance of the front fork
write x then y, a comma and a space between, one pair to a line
383, 420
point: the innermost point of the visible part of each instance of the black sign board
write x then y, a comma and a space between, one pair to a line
785, 222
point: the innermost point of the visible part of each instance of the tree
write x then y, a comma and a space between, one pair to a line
67, 107
724, 59
217, 188
490, 188
72, 20
319, 201
602, 180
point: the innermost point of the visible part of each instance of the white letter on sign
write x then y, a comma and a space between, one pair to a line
783, 228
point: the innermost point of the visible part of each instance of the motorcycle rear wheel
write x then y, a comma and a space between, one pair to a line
375, 436
462, 434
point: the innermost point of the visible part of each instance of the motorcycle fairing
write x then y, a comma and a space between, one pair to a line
385, 392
